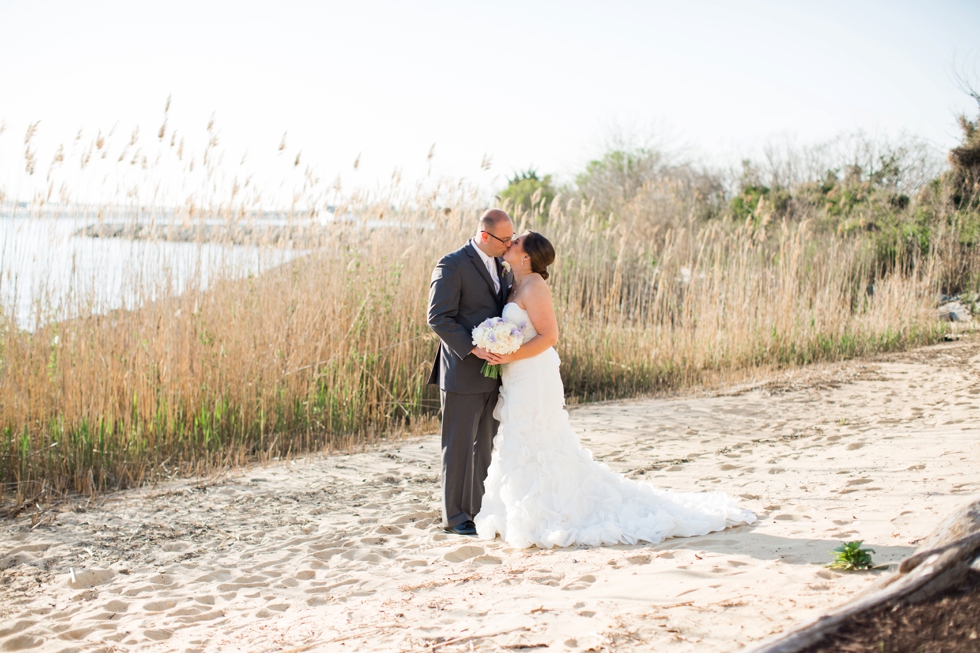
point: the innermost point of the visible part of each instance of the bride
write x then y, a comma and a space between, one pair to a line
542, 487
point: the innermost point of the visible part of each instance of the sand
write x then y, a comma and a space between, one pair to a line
345, 552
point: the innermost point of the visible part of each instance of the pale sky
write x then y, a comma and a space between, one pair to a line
525, 83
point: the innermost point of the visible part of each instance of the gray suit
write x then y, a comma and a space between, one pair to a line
461, 296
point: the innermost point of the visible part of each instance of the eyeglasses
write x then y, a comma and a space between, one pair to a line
504, 241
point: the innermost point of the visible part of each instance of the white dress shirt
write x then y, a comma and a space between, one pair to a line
491, 266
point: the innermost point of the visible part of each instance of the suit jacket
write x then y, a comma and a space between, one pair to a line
461, 296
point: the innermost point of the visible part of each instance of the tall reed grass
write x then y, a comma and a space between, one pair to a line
332, 348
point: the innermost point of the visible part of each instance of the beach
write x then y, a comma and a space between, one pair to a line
346, 552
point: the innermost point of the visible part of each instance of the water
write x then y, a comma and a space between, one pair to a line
48, 274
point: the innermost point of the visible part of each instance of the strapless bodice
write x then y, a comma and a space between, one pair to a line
517, 315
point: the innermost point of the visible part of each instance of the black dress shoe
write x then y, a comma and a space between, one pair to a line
466, 528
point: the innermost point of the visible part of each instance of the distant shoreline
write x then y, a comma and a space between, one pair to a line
290, 236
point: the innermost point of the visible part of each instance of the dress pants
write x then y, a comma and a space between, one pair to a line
468, 428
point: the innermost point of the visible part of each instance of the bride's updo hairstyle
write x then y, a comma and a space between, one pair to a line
540, 251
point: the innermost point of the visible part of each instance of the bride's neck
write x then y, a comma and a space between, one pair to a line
520, 277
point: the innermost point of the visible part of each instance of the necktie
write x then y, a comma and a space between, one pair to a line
492, 269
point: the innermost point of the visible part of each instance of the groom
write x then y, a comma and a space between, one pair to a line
468, 286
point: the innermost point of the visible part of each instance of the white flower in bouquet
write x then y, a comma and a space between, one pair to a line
497, 336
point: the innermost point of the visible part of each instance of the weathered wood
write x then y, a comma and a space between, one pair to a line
963, 522
942, 560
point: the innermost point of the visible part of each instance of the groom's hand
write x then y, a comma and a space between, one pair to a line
480, 352
499, 359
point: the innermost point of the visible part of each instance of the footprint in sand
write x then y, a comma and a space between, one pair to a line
361, 555
580, 583
243, 582
85, 578
326, 555
464, 553
159, 606
327, 589
904, 518
415, 517
75, 634
175, 547
24, 624
486, 560
21, 643
220, 575
27, 549
161, 579
158, 635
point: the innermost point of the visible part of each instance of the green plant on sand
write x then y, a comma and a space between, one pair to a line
851, 557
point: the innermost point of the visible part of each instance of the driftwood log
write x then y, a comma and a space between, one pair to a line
940, 562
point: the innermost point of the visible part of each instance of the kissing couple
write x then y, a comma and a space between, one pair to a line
511, 463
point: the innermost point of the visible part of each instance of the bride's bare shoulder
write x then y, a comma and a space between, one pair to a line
536, 290
537, 283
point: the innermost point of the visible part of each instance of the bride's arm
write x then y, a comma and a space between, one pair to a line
541, 311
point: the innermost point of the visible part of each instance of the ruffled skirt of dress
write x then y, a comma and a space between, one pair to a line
544, 489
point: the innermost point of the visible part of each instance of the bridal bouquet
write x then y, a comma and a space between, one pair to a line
497, 336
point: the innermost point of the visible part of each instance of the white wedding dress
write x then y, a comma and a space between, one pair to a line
544, 489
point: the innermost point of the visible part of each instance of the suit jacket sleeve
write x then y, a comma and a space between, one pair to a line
444, 293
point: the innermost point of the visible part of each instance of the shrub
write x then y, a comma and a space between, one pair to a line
615, 179
529, 192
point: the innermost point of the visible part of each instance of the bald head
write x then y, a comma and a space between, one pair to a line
495, 234
492, 218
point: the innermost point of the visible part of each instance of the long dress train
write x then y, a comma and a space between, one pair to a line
544, 489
